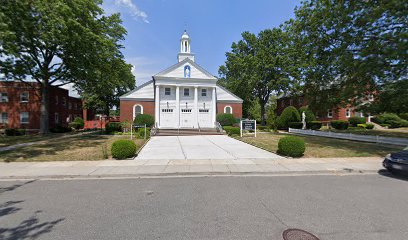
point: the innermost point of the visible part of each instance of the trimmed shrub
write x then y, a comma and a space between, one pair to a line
309, 114
291, 146
113, 127
385, 118
354, 121
60, 129
289, 114
122, 149
369, 126
14, 132
263, 128
226, 119
232, 130
339, 124
142, 119
404, 116
398, 124
78, 123
296, 125
314, 125
141, 132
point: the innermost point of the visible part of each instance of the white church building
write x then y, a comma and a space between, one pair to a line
184, 95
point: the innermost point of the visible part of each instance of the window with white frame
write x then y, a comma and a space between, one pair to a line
204, 110
348, 112
56, 118
167, 91
4, 117
204, 92
137, 109
370, 97
3, 97
24, 117
330, 113
228, 109
186, 92
24, 97
361, 114
186, 110
167, 110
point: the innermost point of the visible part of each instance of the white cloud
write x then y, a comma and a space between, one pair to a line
133, 9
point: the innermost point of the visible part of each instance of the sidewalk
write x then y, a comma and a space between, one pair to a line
139, 168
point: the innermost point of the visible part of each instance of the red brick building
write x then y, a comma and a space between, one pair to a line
20, 106
339, 113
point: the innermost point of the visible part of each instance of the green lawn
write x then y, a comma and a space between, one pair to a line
12, 140
397, 132
81, 147
324, 147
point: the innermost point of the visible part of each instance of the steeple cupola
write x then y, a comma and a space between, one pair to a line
185, 50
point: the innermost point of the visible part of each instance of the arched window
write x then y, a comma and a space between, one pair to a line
137, 109
228, 109
187, 71
185, 47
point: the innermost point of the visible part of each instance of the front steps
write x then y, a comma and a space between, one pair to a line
187, 132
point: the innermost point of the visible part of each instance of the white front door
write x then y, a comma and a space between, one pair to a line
187, 118
167, 118
204, 118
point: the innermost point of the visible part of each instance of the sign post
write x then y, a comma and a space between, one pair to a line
249, 125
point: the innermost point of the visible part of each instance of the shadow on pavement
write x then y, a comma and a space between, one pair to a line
386, 173
14, 187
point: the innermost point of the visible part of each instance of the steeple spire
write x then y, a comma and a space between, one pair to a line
185, 50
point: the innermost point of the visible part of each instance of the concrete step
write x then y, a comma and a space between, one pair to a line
187, 132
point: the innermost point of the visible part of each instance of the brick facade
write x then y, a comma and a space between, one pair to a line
24, 99
339, 113
236, 108
126, 109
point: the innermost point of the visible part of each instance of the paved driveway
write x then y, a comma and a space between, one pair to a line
201, 147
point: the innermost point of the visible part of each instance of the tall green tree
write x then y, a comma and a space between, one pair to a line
259, 65
350, 48
56, 42
114, 80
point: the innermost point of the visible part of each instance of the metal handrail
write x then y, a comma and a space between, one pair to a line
218, 127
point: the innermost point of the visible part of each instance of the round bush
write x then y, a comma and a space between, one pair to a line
122, 149
314, 125
289, 114
339, 124
226, 119
142, 119
291, 146
79, 122
113, 127
354, 121
369, 126
232, 130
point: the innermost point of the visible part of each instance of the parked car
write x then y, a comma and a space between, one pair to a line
397, 162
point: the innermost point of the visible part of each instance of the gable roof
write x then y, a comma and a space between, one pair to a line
143, 92
180, 64
223, 95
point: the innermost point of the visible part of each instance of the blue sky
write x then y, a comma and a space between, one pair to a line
155, 27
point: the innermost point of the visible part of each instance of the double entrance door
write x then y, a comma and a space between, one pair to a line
168, 118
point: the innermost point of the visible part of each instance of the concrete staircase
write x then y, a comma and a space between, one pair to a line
187, 132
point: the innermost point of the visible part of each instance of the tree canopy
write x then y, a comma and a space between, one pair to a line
258, 66
57, 42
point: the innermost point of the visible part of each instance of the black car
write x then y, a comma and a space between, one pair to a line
397, 162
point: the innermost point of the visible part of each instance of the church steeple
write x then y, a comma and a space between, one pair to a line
185, 51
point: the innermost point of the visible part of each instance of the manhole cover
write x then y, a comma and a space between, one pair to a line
298, 234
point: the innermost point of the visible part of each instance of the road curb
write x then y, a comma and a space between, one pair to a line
190, 174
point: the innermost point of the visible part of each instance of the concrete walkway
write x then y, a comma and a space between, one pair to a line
139, 168
208, 147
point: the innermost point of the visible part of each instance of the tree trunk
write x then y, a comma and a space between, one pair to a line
263, 120
44, 119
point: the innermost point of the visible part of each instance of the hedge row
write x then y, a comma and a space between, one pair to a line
232, 130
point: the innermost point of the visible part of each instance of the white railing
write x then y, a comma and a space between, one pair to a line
351, 136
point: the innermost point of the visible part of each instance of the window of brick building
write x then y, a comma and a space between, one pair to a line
329, 113
348, 112
69, 105
24, 97
64, 101
4, 117
3, 97
56, 118
24, 117
56, 100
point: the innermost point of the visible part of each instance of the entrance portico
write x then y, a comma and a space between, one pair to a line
185, 106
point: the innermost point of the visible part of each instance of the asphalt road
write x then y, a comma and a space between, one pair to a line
331, 207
